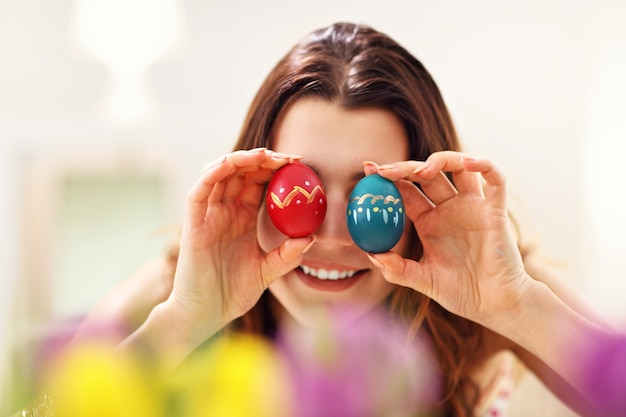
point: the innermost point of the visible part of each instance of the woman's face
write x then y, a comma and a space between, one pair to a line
335, 274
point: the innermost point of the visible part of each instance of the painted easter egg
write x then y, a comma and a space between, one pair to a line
296, 200
375, 214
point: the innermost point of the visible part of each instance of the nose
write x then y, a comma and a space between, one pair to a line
334, 228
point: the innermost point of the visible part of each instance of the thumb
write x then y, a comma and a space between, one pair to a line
400, 271
284, 258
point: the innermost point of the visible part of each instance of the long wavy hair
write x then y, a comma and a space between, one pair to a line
357, 66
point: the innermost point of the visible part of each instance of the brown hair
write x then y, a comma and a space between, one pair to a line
357, 66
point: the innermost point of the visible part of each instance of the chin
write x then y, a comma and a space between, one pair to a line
304, 301
324, 315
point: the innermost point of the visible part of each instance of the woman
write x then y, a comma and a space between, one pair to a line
345, 95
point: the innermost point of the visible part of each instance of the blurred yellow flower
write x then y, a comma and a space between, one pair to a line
96, 381
237, 376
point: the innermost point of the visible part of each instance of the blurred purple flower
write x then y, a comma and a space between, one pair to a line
365, 368
605, 376
58, 337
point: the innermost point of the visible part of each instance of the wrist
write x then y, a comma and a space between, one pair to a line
544, 325
168, 336
525, 312
536, 318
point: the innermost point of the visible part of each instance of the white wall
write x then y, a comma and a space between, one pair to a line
537, 86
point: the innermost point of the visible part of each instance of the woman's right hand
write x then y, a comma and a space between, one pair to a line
222, 271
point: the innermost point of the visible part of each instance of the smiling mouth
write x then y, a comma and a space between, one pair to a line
329, 274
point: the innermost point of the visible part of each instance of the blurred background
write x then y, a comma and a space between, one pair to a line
110, 108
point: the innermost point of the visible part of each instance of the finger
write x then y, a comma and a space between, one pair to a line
195, 212
276, 160
436, 186
237, 183
208, 189
466, 182
370, 168
439, 188
197, 201
466, 169
396, 171
210, 186
239, 155
254, 187
446, 161
405, 272
415, 202
233, 163
469, 183
217, 194
495, 180
233, 186
284, 258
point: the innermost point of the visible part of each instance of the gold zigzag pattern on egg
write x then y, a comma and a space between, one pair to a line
292, 194
387, 200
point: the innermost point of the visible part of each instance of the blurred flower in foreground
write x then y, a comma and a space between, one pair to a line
63, 335
237, 376
94, 380
604, 375
341, 368
365, 368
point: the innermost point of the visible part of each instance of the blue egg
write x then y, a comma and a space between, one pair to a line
375, 214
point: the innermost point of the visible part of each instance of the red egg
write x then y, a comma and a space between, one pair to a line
296, 200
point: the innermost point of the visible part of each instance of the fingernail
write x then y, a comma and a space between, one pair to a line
277, 155
387, 166
370, 164
377, 263
261, 149
307, 247
469, 158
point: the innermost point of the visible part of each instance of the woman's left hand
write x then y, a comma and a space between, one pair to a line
471, 264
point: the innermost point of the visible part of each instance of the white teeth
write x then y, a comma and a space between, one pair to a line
332, 274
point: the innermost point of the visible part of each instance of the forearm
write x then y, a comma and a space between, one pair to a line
168, 337
548, 328
127, 306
